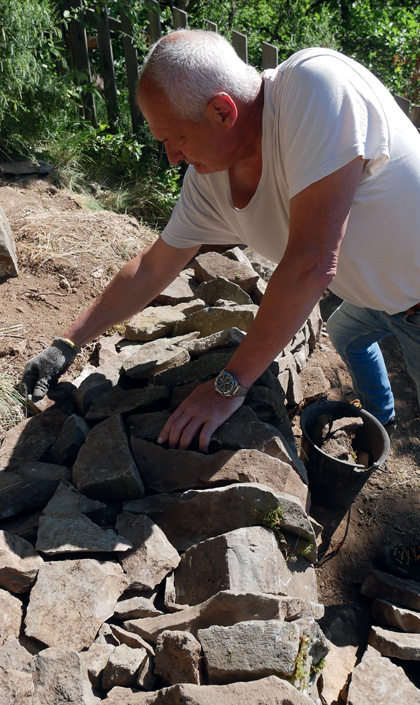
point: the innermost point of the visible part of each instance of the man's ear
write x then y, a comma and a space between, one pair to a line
223, 108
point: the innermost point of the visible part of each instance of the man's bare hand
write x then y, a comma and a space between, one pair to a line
204, 409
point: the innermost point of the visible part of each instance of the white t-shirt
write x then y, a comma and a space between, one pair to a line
321, 110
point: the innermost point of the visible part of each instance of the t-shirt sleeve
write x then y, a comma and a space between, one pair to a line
328, 116
195, 219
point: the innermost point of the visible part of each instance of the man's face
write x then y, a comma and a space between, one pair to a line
203, 144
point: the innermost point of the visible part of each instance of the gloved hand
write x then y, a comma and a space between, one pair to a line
47, 366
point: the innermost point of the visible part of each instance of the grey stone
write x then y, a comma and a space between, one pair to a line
19, 563
16, 683
259, 291
183, 288
294, 391
8, 259
206, 366
229, 337
314, 324
70, 601
314, 384
212, 265
152, 557
221, 288
394, 616
94, 660
245, 560
263, 266
178, 658
11, 611
29, 487
97, 383
200, 514
266, 691
122, 401
225, 608
216, 318
147, 426
135, 641
76, 533
66, 447
377, 680
58, 678
153, 322
122, 666
30, 440
165, 470
312, 653
395, 644
384, 586
68, 500
152, 358
249, 650
105, 468
134, 607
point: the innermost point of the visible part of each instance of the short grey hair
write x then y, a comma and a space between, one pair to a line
191, 66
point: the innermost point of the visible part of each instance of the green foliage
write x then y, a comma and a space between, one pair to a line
32, 92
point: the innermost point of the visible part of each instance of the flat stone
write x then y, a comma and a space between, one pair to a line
395, 644
66, 447
76, 533
94, 660
225, 608
19, 563
153, 322
183, 288
263, 266
152, 557
211, 265
389, 614
377, 680
269, 691
122, 666
68, 500
58, 677
11, 611
165, 470
124, 401
245, 560
178, 658
30, 440
339, 664
206, 366
8, 259
30, 486
122, 636
384, 586
105, 468
229, 337
314, 384
96, 383
134, 607
70, 601
221, 288
16, 683
152, 358
216, 318
246, 650
147, 426
196, 515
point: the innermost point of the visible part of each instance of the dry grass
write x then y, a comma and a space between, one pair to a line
101, 238
12, 405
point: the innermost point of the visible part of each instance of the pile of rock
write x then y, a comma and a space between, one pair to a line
131, 573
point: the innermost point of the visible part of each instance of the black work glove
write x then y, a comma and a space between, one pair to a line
46, 367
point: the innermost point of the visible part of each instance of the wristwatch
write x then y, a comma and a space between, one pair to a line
226, 385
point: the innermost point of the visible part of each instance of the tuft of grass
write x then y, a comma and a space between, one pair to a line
12, 405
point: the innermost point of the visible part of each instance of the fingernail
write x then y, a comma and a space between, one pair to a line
160, 440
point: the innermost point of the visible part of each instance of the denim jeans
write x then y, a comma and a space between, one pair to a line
355, 333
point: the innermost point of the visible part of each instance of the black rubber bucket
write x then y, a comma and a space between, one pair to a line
333, 482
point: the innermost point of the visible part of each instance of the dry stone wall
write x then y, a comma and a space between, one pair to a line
131, 573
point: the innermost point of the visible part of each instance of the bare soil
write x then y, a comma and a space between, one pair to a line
67, 254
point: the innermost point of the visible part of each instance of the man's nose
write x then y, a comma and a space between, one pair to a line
175, 155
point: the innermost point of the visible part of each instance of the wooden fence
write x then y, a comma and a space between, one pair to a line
110, 28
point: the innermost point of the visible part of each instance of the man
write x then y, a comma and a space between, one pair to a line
314, 166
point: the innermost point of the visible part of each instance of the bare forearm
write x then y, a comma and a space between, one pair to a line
135, 285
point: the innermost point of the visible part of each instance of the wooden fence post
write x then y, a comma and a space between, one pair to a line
79, 53
270, 56
211, 26
107, 65
154, 29
132, 69
240, 44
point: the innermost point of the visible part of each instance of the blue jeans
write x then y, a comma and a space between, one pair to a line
355, 333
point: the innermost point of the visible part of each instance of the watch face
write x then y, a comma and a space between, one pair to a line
226, 384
